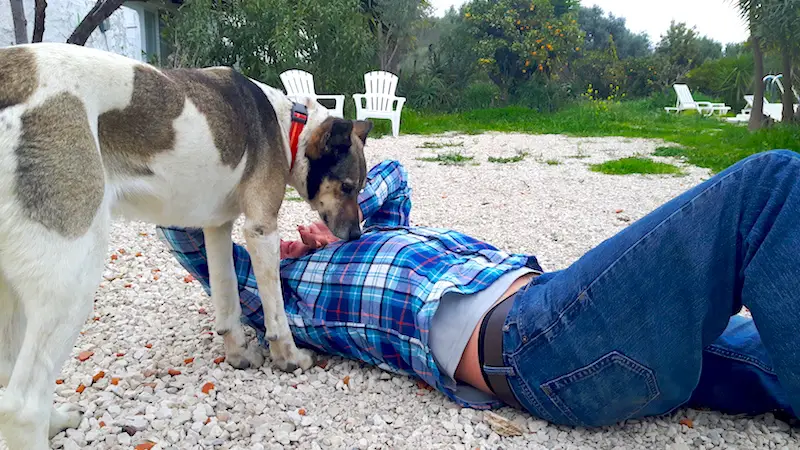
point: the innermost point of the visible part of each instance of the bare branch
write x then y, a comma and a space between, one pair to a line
99, 12
38, 21
20, 23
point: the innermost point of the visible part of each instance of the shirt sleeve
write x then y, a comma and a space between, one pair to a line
188, 246
386, 199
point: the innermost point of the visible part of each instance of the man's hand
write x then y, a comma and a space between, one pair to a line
293, 249
316, 235
312, 237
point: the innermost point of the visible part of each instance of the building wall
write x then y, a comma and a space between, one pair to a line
61, 18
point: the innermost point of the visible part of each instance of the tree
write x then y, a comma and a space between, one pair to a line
20, 23
101, 11
518, 39
781, 27
394, 23
750, 10
38, 21
263, 38
600, 29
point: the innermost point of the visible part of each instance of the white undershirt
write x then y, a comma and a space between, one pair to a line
458, 315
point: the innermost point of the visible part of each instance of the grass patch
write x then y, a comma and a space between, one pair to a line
449, 159
510, 160
627, 166
552, 162
670, 151
294, 199
706, 142
430, 144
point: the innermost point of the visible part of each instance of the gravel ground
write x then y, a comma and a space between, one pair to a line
151, 323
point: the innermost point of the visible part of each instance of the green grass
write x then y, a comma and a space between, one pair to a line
509, 160
669, 151
430, 144
552, 162
705, 142
448, 159
626, 166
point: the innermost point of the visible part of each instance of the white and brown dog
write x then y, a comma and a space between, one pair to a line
86, 135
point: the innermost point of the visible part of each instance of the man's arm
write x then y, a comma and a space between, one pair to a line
386, 199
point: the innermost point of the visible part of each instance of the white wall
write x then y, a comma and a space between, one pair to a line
61, 18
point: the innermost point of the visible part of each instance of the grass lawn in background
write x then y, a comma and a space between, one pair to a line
705, 142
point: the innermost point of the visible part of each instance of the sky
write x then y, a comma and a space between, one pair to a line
717, 19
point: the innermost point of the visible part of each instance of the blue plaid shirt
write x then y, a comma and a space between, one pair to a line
372, 299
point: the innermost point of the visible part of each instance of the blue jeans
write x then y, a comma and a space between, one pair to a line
644, 323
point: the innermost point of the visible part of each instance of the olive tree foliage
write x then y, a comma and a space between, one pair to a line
262, 38
395, 25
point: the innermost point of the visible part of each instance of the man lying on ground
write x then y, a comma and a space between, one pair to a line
640, 325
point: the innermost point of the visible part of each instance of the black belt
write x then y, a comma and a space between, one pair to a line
490, 350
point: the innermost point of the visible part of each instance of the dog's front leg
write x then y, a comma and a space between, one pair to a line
263, 243
225, 296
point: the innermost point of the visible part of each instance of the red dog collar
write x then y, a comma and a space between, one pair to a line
299, 119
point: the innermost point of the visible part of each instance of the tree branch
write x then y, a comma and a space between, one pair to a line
99, 12
38, 21
20, 23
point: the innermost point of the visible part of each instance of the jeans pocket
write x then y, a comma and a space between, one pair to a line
607, 391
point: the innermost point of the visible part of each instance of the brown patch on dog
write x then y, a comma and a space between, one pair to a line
18, 76
59, 177
237, 111
316, 144
130, 137
228, 111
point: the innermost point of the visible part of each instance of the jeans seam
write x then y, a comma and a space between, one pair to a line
713, 348
529, 396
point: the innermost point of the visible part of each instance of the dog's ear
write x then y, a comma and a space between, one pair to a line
339, 137
362, 128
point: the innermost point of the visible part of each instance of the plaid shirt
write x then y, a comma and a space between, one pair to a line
372, 299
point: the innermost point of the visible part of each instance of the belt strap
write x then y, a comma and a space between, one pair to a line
490, 351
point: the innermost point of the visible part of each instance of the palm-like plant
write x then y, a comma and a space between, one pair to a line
781, 27
752, 12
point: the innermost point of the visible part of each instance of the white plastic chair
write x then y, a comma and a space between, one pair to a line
299, 83
686, 102
379, 101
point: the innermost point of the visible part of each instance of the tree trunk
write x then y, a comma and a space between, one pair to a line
20, 23
787, 99
99, 12
38, 21
757, 114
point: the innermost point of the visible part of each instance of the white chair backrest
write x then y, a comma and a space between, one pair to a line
684, 96
749, 100
382, 83
298, 82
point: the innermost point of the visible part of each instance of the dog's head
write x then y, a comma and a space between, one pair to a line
336, 173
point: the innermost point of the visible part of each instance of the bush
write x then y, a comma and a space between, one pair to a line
480, 95
541, 95
729, 79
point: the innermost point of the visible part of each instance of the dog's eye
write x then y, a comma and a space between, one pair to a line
348, 188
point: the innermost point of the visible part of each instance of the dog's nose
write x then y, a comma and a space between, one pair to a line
355, 233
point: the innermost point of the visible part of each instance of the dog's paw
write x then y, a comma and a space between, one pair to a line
299, 359
65, 417
238, 361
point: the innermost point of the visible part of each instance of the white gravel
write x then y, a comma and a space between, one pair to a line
150, 320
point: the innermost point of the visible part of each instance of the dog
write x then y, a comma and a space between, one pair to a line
88, 135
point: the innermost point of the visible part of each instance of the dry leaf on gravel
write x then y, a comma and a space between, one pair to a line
501, 425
